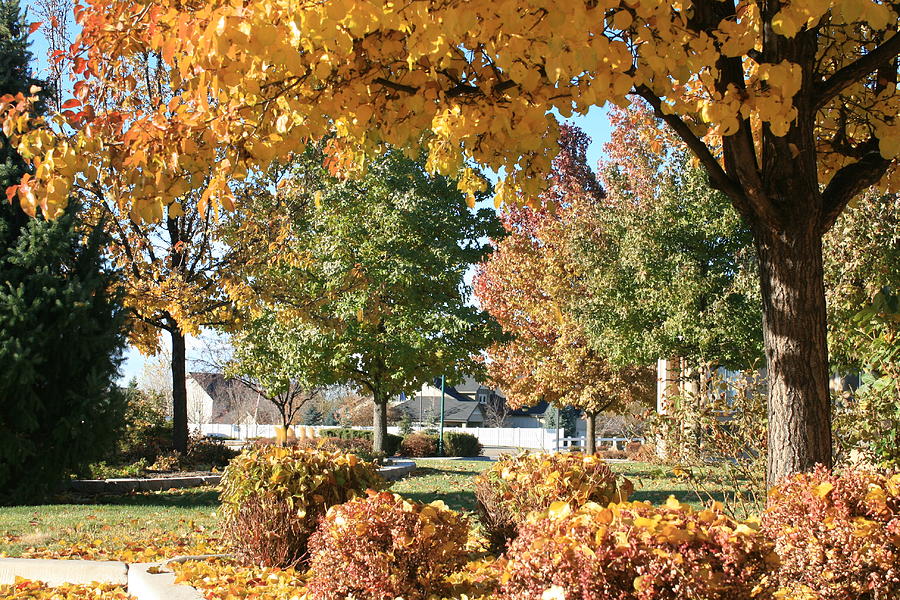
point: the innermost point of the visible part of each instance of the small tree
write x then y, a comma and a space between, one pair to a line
267, 360
365, 276
496, 411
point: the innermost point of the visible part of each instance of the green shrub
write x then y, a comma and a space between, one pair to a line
419, 445
837, 534
273, 497
391, 441
104, 470
147, 433
457, 443
515, 486
383, 547
635, 551
358, 446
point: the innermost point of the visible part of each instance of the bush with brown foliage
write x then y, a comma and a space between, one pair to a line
517, 485
273, 497
383, 547
636, 551
418, 445
837, 534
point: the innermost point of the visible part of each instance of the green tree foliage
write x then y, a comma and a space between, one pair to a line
268, 360
61, 329
672, 268
862, 258
368, 274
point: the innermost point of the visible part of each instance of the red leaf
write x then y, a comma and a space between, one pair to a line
35, 26
11, 192
71, 103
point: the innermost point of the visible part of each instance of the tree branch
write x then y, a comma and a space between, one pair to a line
855, 71
396, 86
719, 179
848, 182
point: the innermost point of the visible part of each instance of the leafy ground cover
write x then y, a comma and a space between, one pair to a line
147, 525
34, 590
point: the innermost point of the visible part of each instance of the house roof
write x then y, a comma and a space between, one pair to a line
455, 411
232, 400
537, 410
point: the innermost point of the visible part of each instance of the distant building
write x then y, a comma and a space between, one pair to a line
213, 398
468, 404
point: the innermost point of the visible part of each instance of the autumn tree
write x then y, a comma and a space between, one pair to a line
173, 274
365, 276
170, 258
533, 283
790, 107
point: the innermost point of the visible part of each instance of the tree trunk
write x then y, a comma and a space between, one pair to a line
590, 436
179, 391
794, 329
379, 426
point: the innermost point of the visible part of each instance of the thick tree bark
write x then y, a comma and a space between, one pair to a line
379, 425
794, 328
590, 437
179, 391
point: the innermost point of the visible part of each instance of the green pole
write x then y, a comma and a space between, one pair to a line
441, 430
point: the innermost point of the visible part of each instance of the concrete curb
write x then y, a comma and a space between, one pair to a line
124, 486
146, 585
398, 470
57, 572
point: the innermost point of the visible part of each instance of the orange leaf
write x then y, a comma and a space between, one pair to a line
71, 103
35, 26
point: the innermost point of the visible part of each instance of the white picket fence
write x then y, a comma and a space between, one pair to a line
496, 437
490, 437
569, 444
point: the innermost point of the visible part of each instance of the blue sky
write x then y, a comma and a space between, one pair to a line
595, 124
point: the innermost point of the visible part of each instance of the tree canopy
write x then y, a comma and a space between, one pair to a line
366, 275
789, 106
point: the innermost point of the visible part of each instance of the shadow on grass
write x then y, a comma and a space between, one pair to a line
185, 498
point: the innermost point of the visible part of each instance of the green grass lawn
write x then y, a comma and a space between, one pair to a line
136, 522
452, 481
111, 526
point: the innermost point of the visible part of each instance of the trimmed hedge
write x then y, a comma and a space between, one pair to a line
636, 551
391, 442
419, 445
458, 443
515, 486
837, 534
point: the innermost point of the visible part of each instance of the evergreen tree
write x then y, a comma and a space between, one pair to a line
313, 416
61, 327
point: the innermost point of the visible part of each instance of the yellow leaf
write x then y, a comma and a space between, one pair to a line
559, 510
823, 489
